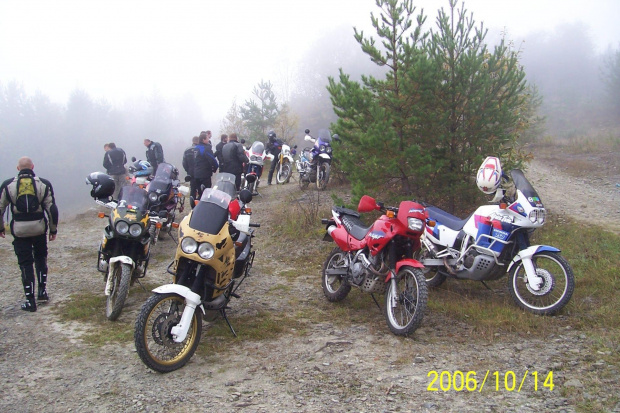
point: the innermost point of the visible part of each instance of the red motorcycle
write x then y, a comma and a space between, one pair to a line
379, 259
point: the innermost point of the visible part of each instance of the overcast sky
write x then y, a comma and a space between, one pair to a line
217, 50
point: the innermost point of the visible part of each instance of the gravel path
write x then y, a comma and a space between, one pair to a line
46, 365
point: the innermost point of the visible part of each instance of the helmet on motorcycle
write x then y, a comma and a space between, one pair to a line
271, 135
103, 185
143, 168
489, 175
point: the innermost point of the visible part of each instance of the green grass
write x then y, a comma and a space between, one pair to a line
88, 309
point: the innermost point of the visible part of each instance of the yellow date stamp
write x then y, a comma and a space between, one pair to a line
494, 380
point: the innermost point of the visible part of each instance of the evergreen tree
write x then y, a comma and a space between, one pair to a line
259, 116
445, 104
611, 78
233, 123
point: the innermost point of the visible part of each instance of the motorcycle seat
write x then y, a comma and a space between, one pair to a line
345, 211
445, 218
355, 226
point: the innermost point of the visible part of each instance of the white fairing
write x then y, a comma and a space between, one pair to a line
242, 223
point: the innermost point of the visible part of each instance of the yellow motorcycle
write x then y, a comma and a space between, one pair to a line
213, 258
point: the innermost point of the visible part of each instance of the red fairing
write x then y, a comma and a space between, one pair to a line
233, 209
345, 241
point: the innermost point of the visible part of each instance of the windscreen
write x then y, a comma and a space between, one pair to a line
134, 197
211, 213
258, 148
522, 184
163, 178
325, 136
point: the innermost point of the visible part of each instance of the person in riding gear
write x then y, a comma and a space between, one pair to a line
205, 164
114, 162
34, 211
154, 153
234, 157
189, 161
274, 147
219, 146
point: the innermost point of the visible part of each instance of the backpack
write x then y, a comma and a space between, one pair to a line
27, 200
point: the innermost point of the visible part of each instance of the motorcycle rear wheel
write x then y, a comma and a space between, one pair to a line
405, 310
152, 337
335, 287
557, 288
121, 277
322, 177
284, 173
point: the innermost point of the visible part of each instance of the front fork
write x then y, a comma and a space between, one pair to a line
525, 256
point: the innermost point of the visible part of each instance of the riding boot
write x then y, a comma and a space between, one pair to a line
28, 281
41, 268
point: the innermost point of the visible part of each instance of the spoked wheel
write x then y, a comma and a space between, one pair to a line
284, 173
121, 276
335, 286
322, 176
153, 340
556, 284
405, 305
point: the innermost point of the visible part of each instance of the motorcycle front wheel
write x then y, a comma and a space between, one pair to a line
405, 305
554, 293
153, 340
303, 183
284, 173
322, 176
121, 277
335, 287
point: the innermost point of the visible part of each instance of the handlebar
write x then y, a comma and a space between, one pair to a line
255, 225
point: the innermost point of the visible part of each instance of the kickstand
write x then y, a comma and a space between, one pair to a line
223, 313
485, 284
138, 281
173, 238
375, 300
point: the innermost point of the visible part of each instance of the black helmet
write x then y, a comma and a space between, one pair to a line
271, 135
103, 185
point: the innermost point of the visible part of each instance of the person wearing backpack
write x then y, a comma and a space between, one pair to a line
34, 211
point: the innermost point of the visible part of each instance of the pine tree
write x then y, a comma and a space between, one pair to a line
259, 116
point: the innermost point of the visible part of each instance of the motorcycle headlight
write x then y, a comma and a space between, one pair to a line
415, 224
189, 245
254, 158
537, 216
135, 230
322, 148
122, 227
206, 251
328, 149
153, 196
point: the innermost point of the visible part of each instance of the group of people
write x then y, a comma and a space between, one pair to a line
34, 214
200, 162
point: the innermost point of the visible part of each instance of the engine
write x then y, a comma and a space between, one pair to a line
366, 273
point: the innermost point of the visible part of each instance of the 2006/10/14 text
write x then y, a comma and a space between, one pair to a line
468, 381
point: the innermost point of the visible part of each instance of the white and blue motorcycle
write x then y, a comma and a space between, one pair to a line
495, 240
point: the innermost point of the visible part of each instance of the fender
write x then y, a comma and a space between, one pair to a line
192, 300
529, 253
123, 259
410, 262
324, 156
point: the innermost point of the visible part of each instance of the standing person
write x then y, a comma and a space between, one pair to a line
189, 160
33, 210
274, 146
233, 158
106, 147
206, 163
114, 162
219, 146
154, 153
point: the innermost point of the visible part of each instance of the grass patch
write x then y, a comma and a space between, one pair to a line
88, 309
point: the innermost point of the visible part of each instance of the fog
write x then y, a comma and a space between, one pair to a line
75, 75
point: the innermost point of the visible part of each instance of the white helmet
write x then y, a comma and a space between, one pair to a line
489, 175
